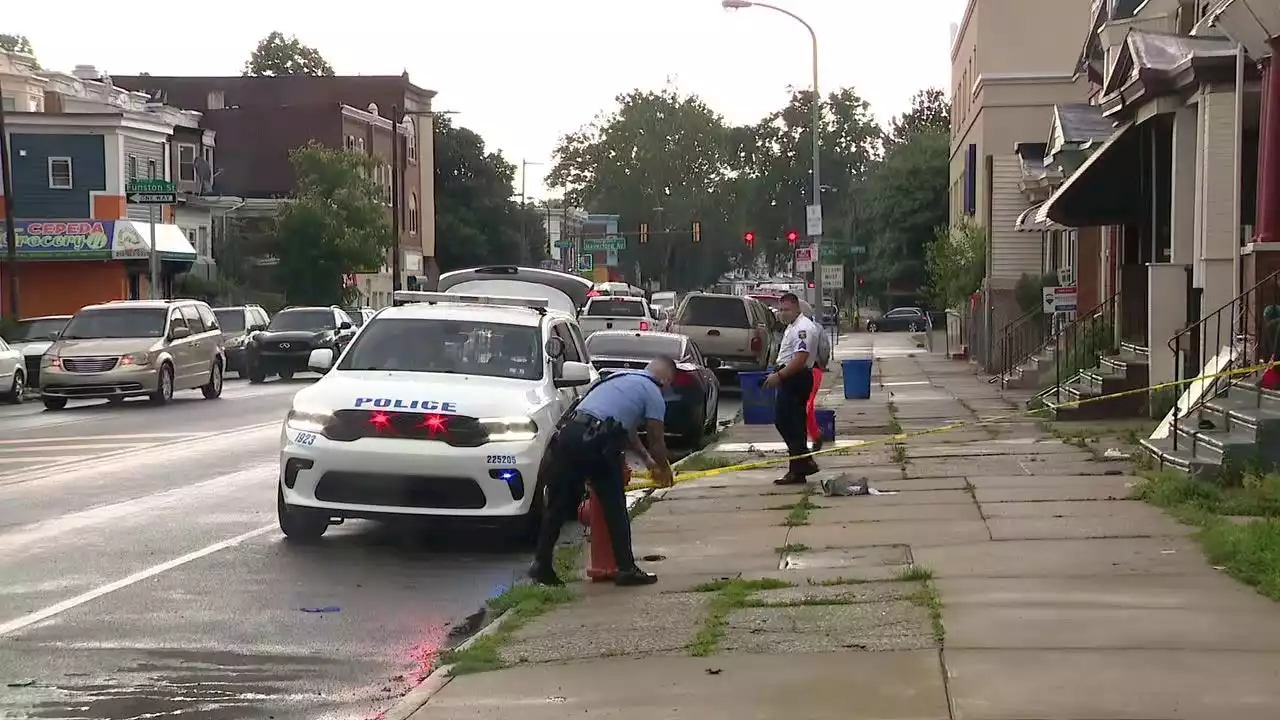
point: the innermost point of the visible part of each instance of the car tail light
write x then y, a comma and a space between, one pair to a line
756, 343
682, 379
644, 325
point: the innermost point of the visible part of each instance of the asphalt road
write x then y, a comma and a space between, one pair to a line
144, 575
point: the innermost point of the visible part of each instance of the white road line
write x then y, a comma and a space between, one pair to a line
137, 436
58, 608
60, 448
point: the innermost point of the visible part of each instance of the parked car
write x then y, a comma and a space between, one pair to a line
773, 302
360, 316
13, 374
911, 319
693, 400
285, 345
565, 293
32, 337
135, 348
616, 312
238, 324
739, 333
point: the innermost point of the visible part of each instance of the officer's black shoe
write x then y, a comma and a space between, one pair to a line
790, 479
634, 576
544, 575
810, 466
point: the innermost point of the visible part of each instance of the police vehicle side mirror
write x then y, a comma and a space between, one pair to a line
321, 359
345, 325
574, 374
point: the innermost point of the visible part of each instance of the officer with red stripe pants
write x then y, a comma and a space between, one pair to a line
793, 380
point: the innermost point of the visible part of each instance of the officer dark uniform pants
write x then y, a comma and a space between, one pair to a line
583, 455
790, 416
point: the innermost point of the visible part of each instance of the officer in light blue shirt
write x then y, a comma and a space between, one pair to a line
589, 448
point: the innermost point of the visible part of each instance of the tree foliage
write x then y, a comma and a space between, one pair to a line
906, 201
930, 112
278, 55
336, 223
957, 262
16, 44
476, 220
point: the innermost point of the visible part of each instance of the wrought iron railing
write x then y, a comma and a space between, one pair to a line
1237, 329
1080, 343
1021, 339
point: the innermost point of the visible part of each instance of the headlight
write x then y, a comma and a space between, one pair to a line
509, 429
140, 359
307, 421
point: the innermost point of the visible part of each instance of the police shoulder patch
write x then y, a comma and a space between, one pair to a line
804, 334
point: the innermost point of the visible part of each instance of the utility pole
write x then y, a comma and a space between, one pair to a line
524, 228
10, 233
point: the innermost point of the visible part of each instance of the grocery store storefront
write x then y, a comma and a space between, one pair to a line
64, 265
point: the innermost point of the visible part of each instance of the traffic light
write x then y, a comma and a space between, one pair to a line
697, 231
749, 239
793, 237
644, 232
861, 280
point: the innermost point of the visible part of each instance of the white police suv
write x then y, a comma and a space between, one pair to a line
440, 407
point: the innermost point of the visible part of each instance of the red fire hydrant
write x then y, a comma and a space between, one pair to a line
602, 566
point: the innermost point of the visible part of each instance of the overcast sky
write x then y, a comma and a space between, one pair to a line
524, 72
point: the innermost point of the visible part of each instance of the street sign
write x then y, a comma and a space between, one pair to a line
584, 263
151, 192
832, 277
609, 242
858, 250
564, 243
813, 220
804, 259
1060, 299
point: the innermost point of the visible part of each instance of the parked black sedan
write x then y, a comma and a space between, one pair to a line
285, 346
911, 319
693, 400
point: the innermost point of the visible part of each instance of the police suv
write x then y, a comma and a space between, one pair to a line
441, 406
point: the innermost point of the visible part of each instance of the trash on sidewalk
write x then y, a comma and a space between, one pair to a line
845, 484
325, 609
1115, 454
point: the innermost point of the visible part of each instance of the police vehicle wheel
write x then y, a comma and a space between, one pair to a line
286, 375
300, 524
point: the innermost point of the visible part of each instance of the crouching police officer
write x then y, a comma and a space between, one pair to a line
589, 448
793, 379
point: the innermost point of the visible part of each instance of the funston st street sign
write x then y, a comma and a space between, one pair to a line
151, 192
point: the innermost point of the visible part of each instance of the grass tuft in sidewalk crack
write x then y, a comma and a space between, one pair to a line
791, 548
799, 511
730, 595
524, 602
930, 599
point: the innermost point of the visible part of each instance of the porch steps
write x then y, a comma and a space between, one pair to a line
1083, 398
1033, 372
1241, 430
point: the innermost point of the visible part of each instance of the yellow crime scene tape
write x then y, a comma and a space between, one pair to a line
687, 476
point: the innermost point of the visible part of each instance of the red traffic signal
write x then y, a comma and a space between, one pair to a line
749, 238
793, 237
861, 280
812, 286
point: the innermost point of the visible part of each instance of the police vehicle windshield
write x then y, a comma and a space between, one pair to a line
447, 346
302, 320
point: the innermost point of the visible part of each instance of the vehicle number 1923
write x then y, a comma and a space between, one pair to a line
501, 460
305, 438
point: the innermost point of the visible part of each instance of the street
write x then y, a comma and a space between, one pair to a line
145, 574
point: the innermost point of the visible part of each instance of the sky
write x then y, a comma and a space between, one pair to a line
522, 73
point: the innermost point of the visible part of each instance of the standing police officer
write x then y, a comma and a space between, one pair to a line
793, 379
589, 448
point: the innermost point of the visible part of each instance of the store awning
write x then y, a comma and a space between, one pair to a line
1103, 191
1027, 222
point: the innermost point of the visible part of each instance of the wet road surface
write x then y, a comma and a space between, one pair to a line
144, 575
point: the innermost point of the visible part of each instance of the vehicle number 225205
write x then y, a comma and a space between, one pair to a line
501, 459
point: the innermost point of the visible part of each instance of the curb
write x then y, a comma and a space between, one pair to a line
422, 693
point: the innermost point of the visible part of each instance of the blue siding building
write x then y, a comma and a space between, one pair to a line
54, 174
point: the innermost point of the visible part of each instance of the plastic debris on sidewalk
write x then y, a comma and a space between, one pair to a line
1115, 454
845, 485
325, 609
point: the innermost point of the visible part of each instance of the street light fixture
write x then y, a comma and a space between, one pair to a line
817, 113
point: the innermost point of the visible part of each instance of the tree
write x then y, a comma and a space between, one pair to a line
957, 262
336, 223
17, 44
906, 200
930, 112
477, 223
277, 55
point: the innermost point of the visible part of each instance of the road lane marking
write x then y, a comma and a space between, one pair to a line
58, 608
62, 448
136, 436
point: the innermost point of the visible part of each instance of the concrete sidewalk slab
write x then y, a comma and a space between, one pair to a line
1070, 508
1077, 491
887, 686
709, 542
916, 533
1114, 684
1001, 482
989, 449
914, 497
1066, 558
875, 626
1086, 526
920, 484
865, 509
731, 503
740, 520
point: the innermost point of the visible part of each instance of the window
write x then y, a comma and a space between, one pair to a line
151, 169
571, 353
303, 319
216, 100
9, 103
410, 140
202, 246
447, 346
230, 319
360, 144
192, 316
207, 317
712, 311
117, 322
413, 212
389, 187
616, 307
186, 163
133, 167
60, 173
207, 154
634, 345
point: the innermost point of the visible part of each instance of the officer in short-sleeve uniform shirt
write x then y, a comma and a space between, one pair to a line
793, 380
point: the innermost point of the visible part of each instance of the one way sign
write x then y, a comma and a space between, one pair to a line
153, 198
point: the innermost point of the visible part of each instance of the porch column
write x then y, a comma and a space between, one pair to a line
1262, 219
1219, 236
1182, 221
1269, 151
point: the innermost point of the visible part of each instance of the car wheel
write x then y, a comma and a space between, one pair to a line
714, 421
257, 376
212, 390
913, 328
164, 386
54, 403
19, 388
300, 524
286, 375
873, 326
698, 435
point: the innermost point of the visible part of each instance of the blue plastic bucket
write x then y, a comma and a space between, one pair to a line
857, 378
826, 424
757, 400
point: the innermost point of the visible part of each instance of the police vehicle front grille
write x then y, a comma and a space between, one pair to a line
453, 430
415, 491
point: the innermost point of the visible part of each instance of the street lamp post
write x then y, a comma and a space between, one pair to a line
814, 240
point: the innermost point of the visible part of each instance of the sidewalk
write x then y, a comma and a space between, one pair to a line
1007, 579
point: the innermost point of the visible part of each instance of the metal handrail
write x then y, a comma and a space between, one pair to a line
1019, 340
1073, 341
1238, 313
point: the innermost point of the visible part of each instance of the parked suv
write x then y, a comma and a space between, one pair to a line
134, 348
739, 332
284, 347
238, 324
